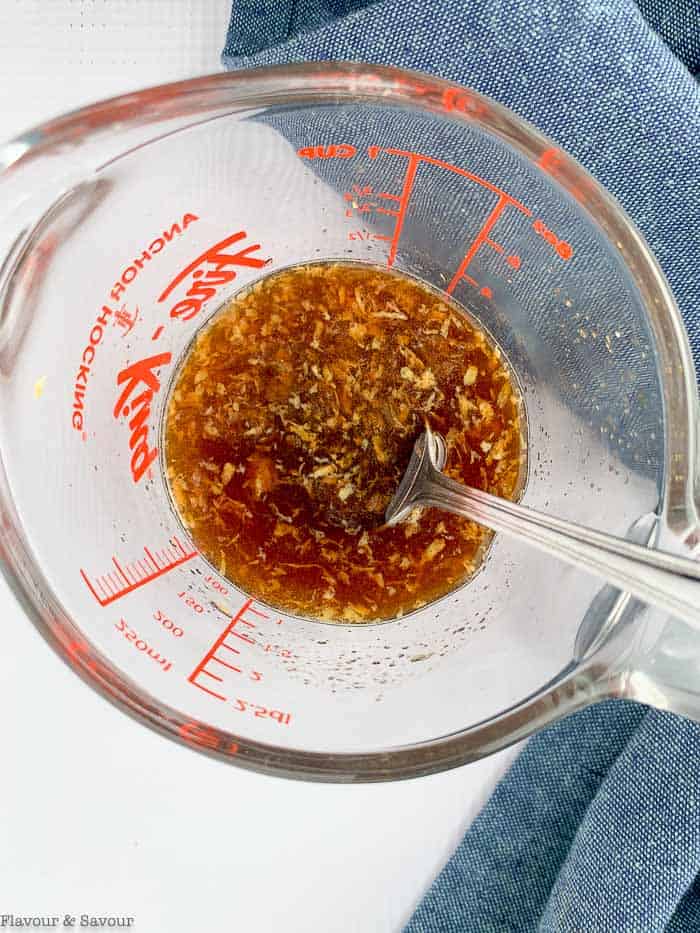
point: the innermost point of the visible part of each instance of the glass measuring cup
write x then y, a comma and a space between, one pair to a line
126, 225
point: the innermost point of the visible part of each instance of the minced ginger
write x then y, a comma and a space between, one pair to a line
292, 420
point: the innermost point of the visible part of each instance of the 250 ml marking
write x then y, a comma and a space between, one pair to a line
142, 645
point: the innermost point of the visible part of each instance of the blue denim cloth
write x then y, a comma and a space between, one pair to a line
678, 24
596, 827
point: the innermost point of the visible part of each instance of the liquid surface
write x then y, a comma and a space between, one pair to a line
292, 420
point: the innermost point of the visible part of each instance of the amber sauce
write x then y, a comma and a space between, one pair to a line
292, 419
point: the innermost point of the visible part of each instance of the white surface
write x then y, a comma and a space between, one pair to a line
99, 815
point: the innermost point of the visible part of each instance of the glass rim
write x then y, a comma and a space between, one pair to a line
338, 83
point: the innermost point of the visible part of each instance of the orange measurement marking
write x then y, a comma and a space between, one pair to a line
234, 650
341, 151
213, 676
483, 237
243, 637
404, 198
226, 664
419, 157
563, 249
366, 234
256, 612
211, 692
108, 587
212, 654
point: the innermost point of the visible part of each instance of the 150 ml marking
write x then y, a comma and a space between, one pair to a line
126, 578
191, 602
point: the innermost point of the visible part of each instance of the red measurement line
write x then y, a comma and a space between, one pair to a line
116, 564
416, 157
257, 612
91, 588
390, 197
405, 197
112, 591
243, 637
480, 239
213, 676
226, 664
219, 641
249, 624
235, 650
143, 567
207, 690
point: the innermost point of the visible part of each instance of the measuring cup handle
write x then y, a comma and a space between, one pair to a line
659, 578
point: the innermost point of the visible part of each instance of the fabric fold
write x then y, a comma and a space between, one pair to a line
595, 828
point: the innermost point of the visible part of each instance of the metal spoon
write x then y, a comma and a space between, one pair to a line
656, 577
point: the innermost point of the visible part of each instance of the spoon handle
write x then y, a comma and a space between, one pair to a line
664, 580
